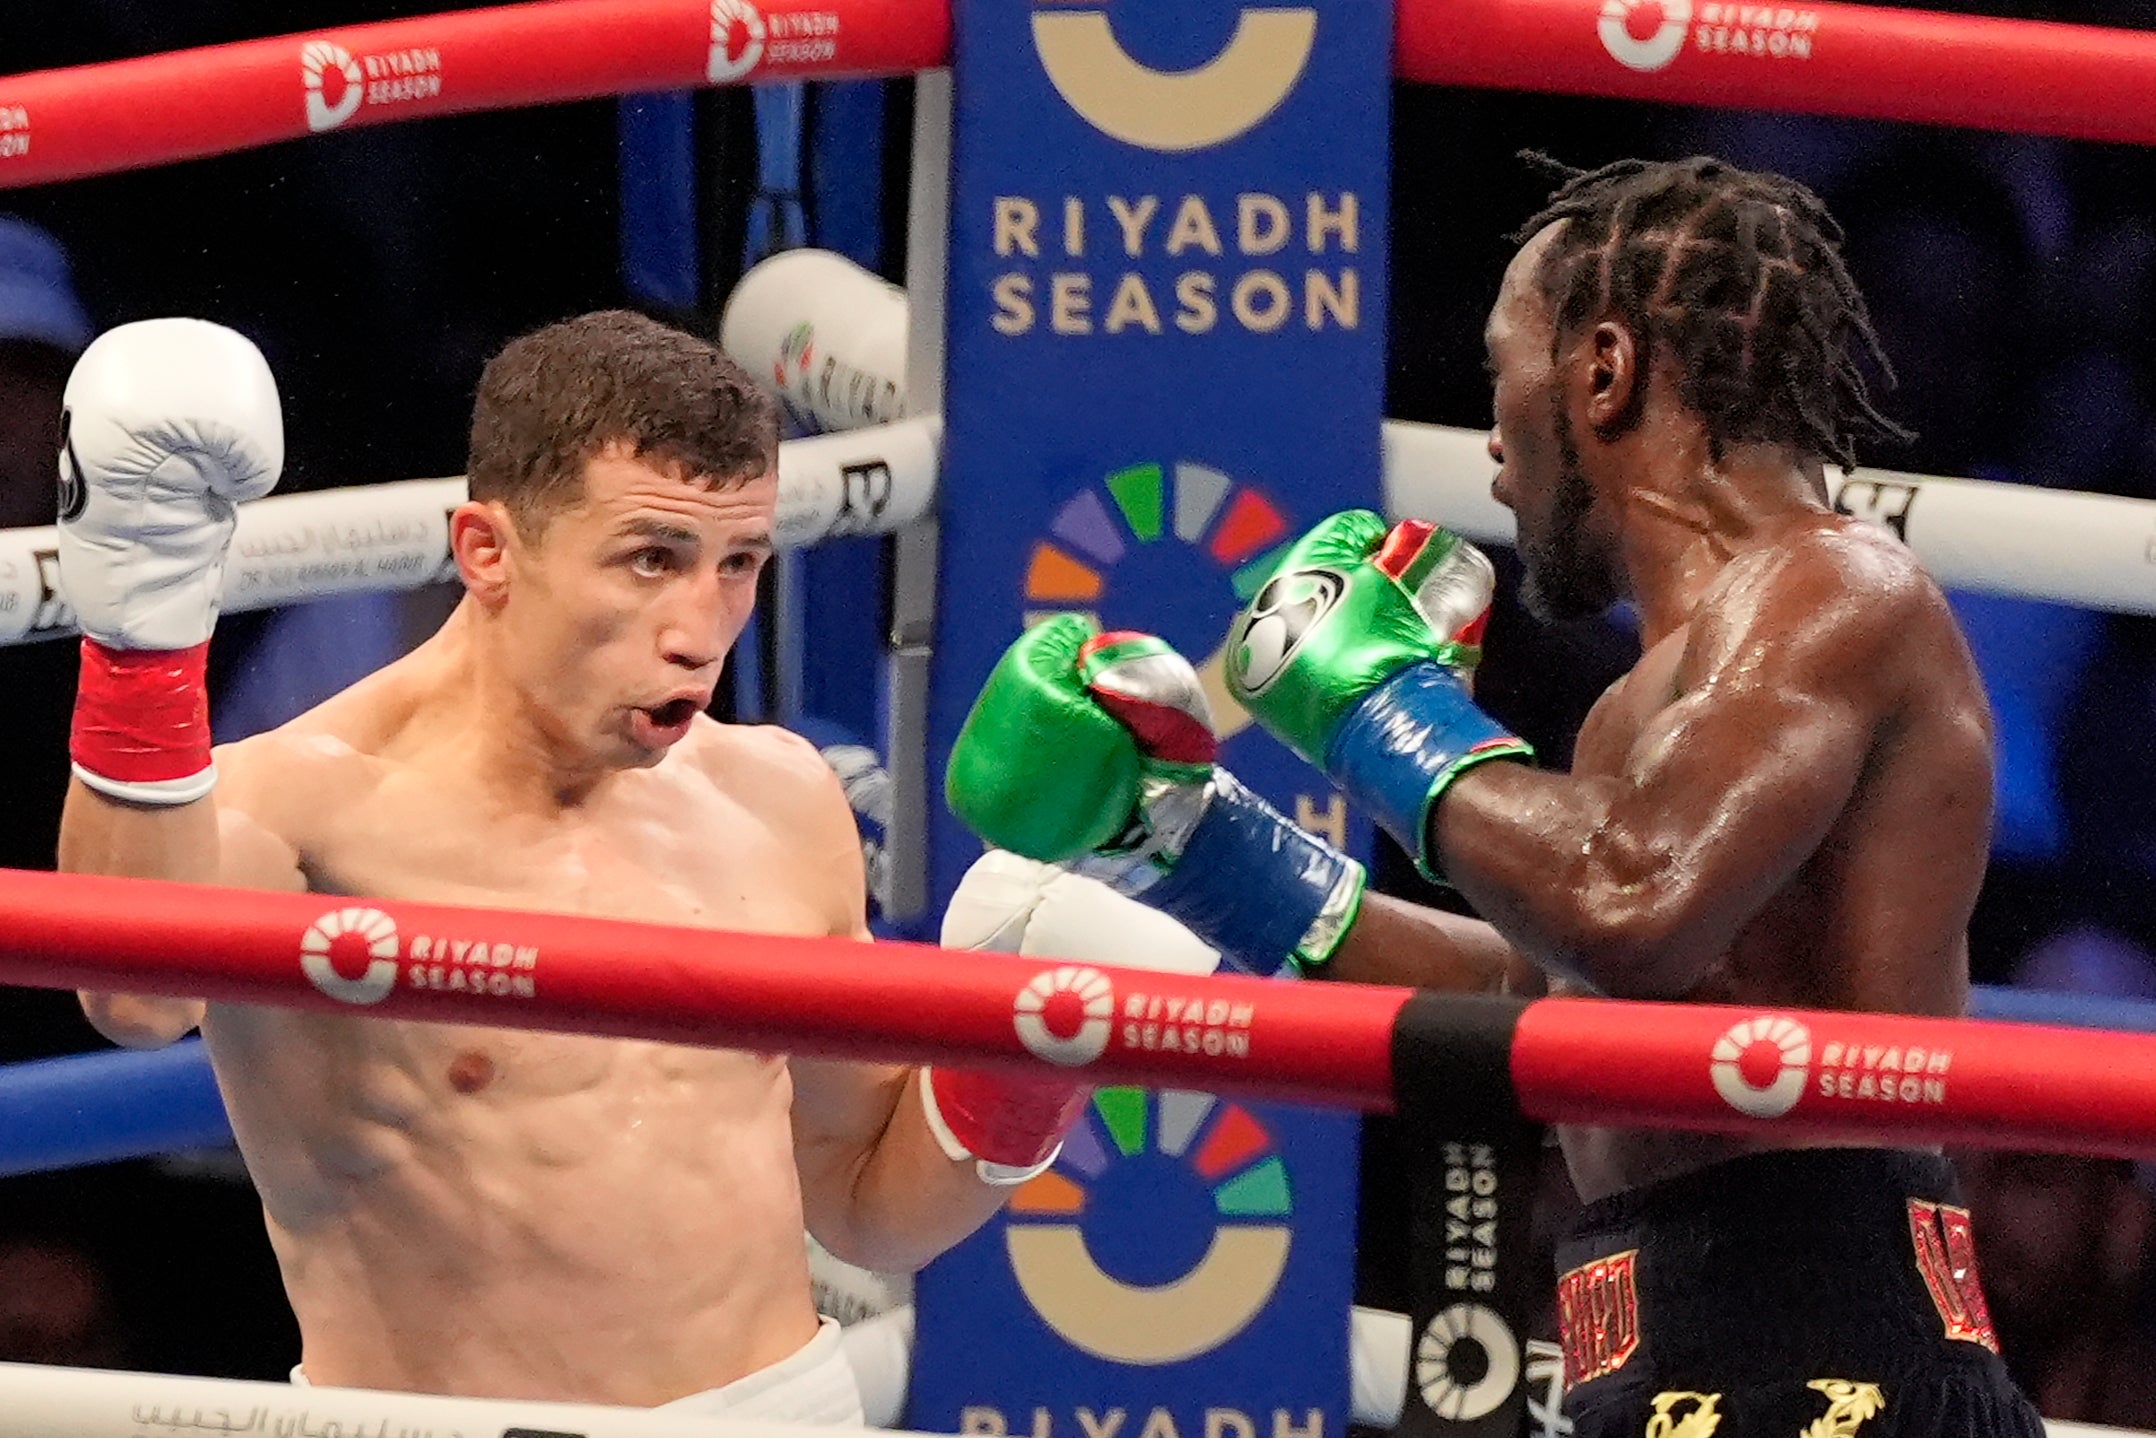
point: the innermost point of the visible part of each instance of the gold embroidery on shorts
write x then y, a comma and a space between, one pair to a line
1849, 1407
1699, 1421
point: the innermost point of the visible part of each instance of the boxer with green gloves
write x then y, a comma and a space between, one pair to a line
1097, 751
1356, 654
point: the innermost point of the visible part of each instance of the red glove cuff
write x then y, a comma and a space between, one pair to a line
1008, 1119
142, 723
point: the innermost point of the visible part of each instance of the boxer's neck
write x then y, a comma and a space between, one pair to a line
1683, 521
481, 719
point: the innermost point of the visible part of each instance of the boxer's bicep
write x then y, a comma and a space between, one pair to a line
1637, 881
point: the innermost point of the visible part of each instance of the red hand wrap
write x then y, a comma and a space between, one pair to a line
142, 716
1005, 1118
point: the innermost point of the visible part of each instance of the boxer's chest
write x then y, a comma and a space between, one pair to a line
668, 857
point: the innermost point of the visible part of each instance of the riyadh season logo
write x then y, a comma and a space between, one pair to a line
373, 929
1759, 1065
1063, 1015
1151, 1283
1173, 110
737, 40
1622, 20
1467, 1363
319, 62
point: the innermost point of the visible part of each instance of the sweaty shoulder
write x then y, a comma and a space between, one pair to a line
321, 761
1832, 590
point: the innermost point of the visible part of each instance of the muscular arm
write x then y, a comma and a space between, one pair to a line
1636, 883
1395, 942
209, 841
876, 1187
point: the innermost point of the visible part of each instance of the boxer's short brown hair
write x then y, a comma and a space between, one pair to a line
556, 398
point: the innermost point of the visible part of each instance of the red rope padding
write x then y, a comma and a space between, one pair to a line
93, 119
1327, 1044
1855, 1076
2022, 76
1913, 1080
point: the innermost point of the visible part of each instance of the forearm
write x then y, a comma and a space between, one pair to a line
103, 835
1394, 942
100, 835
904, 1202
1541, 856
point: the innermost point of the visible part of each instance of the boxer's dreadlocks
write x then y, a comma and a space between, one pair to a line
1740, 275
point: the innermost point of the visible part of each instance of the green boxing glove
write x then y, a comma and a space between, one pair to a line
1097, 751
1356, 653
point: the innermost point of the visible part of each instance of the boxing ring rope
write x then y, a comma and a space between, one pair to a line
125, 114
2080, 82
1705, 1068
1875, 63
2091, 550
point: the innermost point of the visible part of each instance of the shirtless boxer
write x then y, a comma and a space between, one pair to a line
476, 1211
1786, 802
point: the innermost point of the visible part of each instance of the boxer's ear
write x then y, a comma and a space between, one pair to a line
1613, 379
482, 537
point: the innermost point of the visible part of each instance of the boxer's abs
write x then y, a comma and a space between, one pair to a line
482, 1211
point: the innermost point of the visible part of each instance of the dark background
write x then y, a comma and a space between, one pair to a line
2012, 283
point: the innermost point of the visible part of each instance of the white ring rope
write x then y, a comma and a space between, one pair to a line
2094, 551
42, 1402
296, 547
38, 1401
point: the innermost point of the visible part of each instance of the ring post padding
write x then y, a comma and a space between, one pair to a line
1474, 1163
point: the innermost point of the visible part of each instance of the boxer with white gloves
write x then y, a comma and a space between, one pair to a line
169, 424
1012, 905
467, 1209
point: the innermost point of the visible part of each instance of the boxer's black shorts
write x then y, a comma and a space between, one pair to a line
1820, 1293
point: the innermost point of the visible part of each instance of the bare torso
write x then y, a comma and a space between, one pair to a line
1876, 919
472, 1210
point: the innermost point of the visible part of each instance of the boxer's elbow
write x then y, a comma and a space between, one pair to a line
1635, 935
138, 1021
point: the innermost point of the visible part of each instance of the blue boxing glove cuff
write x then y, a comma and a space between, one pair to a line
1272, 897
1408, 739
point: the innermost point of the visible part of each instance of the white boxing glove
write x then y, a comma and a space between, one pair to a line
1014, 1123
1012, 905
169, 425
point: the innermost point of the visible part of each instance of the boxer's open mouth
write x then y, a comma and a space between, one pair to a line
673, 712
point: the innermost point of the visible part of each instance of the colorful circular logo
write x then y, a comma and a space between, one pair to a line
1759, 1065
1151, 512
1216, 1211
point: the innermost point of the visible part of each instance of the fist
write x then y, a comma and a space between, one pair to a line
1011, 905
1075, 734
1351, 604
169, 424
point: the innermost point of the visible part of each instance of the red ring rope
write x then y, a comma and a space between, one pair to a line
1573, 1060
93, 119
2024, 76
2017, 75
